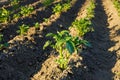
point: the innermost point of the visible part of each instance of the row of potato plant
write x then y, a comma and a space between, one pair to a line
84, 25
24, 28
25, 11
15, 3
62, 7
22, 31
117, 5
5, 15
66, 44
57, 9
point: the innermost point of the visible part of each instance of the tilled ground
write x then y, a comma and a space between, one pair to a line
25, 59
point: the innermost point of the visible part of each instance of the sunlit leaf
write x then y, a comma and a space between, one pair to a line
46, 44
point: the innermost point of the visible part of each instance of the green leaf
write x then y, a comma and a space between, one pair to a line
64, 32
70, 47
86, 43
68, 38
60, 42
50, 34
46, 44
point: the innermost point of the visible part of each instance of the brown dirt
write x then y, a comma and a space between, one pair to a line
25, 59
50, 70
102, 59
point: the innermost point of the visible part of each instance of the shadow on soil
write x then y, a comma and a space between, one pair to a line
98, 59
25, 58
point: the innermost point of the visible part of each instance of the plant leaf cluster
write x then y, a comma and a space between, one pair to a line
4, 15
117, 5
90, 10
65, 45
23, 29
82, 26
61, 8
26, 10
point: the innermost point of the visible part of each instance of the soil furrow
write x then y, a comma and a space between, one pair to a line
25, 59
101, 41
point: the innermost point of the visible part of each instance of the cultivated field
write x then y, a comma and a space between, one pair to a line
60, 40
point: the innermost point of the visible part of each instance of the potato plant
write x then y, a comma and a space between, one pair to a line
65, 45
90, 10
23, 29
16, 16
4, 15
82, 26
25, 11
15, 3
66, 6
117, 5
37, 25
57, 9
61, 8
46, 20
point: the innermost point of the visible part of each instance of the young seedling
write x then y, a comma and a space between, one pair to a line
15, 3
57, 9
23, 29
25, 11
65, 45
61, 8
66, 6
4, 15
16, 16
117, 5
37, 25
82, 26
45, 20
90, 10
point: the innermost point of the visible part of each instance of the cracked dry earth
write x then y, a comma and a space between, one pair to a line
27, 61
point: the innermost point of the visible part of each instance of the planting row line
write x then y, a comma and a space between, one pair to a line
24, 28
22, 11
